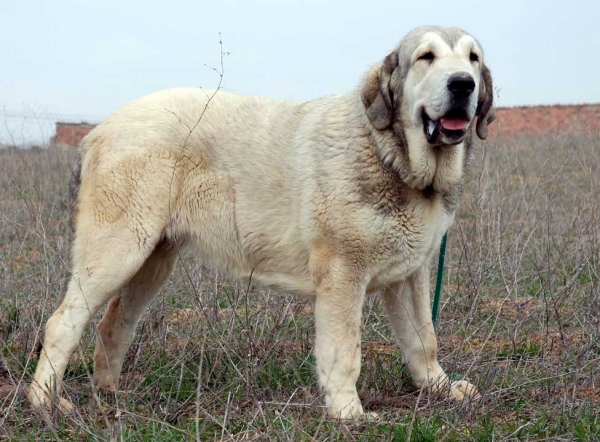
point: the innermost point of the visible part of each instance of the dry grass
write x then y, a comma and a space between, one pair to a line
216, 360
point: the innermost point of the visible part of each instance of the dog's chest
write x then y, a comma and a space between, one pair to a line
408, 240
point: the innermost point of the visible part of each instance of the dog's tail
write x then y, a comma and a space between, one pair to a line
74, 184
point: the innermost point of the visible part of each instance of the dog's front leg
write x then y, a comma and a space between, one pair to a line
338, 322
409, 311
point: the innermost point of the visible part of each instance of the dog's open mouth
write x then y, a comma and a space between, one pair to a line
448, 130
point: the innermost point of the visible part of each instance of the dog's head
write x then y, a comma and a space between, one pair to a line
436, 80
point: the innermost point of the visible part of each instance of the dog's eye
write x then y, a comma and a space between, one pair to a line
474, 56
427, 56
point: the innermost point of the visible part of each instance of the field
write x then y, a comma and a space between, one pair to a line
220, 360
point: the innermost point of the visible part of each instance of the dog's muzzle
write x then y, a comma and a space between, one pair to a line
451, 128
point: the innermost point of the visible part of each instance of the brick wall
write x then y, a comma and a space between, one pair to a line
546, 120
510, 121
70, 134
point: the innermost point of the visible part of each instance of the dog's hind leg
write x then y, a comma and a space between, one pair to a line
117, 327
105, 258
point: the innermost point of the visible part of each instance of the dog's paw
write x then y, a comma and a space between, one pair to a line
461, 390
346, 408
40, 400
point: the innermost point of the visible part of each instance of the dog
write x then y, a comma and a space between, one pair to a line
335, 199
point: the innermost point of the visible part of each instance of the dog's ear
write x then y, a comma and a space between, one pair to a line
377, 95
485, 105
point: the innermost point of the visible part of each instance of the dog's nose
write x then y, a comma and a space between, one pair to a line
461, 84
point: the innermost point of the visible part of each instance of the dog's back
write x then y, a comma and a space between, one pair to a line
219, 170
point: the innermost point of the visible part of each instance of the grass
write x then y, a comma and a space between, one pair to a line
218, 360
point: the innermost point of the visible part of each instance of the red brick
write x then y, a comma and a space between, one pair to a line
70, 134
546, 120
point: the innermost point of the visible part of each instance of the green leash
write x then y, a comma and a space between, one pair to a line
439, 280
438, 292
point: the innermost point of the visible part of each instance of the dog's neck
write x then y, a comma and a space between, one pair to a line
420, 166
397, 157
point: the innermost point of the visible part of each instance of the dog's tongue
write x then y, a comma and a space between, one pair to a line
453, 123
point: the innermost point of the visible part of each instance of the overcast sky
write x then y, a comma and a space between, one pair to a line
84, 59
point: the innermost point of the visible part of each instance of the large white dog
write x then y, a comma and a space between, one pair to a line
334, 199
